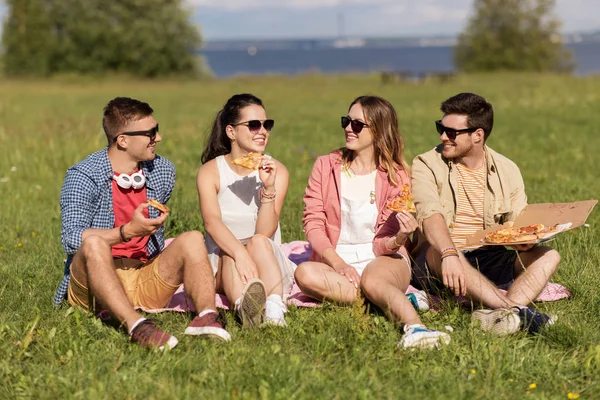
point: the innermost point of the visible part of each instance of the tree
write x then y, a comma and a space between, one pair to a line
140, 37
520, 35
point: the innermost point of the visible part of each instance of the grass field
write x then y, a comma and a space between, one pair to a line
549, 125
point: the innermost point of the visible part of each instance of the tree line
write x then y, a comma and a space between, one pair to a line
152, 38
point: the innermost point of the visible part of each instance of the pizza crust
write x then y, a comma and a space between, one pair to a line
159, 206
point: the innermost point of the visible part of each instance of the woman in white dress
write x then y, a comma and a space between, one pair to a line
357, 243
240, 208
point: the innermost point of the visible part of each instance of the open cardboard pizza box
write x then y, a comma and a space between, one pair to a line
567, 215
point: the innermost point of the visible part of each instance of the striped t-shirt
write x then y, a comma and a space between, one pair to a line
469, 204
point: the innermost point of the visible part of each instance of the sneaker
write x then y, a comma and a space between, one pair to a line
419, 300
534, 321
210, 325
500, 322
275, 311
421, 337
254, 297
148, 335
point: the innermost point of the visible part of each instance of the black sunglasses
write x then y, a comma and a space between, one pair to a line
255, 125
151, 133
451, 133
355, 124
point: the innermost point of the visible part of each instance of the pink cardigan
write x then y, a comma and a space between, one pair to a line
322, 207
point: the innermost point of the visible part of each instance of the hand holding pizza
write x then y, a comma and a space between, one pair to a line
267, 173
407, 224
140, 226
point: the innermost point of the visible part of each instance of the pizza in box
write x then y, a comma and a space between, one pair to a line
535, 233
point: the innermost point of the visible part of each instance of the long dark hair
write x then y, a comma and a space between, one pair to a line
218, 143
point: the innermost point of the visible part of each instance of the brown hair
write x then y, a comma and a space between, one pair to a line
119, 112
479, 112
388, 144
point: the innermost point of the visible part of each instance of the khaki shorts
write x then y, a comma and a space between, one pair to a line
142, 283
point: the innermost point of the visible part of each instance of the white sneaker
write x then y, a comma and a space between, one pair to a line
419, 300
275, 311
421, 337
500, 322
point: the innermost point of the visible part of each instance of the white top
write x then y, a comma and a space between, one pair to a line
358, 208
239, 201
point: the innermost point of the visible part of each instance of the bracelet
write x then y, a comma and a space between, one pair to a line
122, 234
268, 196
448, 255
449, 250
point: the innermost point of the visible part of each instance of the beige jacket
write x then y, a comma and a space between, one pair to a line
434, 184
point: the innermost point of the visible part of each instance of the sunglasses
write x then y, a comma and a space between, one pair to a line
451, 133
151, 133
255, 125
355, 124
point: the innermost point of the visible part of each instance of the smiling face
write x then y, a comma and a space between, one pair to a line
363, 139
243, 137
139, 148
465, 143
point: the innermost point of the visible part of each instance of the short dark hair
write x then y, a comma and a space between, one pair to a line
119, 112
479, 112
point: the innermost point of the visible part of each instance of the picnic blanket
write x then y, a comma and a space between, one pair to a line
298, 252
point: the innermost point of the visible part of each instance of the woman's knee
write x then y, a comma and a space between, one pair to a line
305, 275
258, 242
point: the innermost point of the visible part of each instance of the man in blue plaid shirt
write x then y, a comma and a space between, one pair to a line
114, 239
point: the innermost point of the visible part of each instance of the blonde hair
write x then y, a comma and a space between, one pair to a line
388, 143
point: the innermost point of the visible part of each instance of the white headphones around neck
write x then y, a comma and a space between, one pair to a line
135, 180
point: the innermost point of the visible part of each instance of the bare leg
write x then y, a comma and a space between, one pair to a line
93, 266
261, 251
533, 270
479, 288
321, 282
228, 279
384, 282
186, 260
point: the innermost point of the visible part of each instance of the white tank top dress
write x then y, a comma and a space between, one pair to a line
239, 201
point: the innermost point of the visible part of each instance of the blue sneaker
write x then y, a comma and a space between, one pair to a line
534, 321
419, 336
419, 300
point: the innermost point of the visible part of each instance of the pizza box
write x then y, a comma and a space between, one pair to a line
567, 215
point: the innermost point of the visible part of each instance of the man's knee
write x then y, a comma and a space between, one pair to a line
190, 238
550, 255
94, 245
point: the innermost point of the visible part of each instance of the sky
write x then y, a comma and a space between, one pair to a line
272, 19
234, 19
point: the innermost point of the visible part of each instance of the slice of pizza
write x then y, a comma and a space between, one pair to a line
403, 202
159, 206
250, 160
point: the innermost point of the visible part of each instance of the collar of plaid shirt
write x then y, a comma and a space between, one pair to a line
89, 182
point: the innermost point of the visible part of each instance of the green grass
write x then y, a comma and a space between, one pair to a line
547, 124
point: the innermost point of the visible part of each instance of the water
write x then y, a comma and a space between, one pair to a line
226, 63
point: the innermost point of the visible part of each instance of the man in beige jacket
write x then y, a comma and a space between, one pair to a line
463, 186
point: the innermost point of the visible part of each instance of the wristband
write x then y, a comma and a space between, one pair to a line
122, 234
267, 196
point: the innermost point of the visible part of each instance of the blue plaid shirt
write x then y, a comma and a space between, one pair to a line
86, 202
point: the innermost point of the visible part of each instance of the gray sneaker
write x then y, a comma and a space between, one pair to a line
252, 305
500, 322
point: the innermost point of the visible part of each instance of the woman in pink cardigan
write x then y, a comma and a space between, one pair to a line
356, 241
